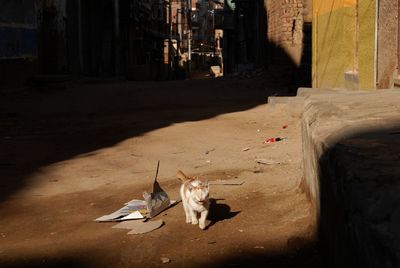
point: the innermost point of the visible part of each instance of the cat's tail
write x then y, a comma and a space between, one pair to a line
182, 176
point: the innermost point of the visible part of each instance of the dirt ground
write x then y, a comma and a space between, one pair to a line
71, 155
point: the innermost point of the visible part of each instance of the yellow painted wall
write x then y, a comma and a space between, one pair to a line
366, 44
343, 42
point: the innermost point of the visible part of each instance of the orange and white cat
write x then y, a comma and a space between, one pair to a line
194, 193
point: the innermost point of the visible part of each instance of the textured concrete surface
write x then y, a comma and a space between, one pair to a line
351, 170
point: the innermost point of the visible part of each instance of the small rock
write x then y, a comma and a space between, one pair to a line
165, 260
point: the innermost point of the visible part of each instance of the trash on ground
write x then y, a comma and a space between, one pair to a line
267, 162
139, 227
245, 149
126, 224
145, 227
272, 140
209, 151
153, 204
133, 216
227, 182
165, 260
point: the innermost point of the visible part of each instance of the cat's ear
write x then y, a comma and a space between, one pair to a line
190, 187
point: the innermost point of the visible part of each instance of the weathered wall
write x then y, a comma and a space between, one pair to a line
387, 43
351, 173
366, 44
18, 41
344, 43
285, 27
32, 40
52, 17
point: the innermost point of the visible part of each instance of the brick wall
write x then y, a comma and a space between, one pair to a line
285, 26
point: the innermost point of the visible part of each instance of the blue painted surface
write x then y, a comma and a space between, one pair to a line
17, 42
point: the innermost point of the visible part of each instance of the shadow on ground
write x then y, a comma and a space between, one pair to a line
41, 127
219, 212
360, 204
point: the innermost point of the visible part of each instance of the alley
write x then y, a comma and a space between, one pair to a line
69, 156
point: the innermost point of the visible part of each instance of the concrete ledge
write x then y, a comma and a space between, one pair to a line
294, 105
351, 148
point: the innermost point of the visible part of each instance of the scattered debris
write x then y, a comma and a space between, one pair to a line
227, 182
284, 126
139, 227
267, 162
245, 149
209, 151
165, 260
180, 152
216, 71
153, 204
272, 140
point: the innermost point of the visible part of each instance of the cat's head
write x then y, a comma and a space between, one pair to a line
199, 191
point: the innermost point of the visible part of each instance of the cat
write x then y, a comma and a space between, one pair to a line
195, 200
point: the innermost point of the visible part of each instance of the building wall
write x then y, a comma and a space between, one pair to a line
387, 43
344, 44
51, 20
285, 28
18, 41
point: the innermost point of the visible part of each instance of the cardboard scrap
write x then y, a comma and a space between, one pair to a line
157, 201
153, 204
227, 182
129, 208
126, 224
133, 216
145, 227
139, 227
266, 161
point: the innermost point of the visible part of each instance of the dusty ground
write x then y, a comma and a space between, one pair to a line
71, 155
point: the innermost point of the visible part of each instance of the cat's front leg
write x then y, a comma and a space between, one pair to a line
193, 215
202, 220
187, 212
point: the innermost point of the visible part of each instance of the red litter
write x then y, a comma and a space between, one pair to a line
272, 140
